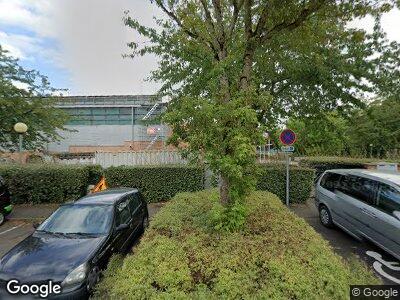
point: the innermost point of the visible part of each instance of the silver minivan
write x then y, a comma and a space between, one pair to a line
364, 203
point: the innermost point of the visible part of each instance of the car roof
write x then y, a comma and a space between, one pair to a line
388, 176
109, 196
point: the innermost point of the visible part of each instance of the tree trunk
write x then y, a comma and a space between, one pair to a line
224, 191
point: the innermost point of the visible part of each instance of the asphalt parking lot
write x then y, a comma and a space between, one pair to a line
19, 226
384, 265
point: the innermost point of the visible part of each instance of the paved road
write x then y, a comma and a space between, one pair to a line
347, 246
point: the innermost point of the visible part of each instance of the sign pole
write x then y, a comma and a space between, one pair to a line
287, 138
287, 178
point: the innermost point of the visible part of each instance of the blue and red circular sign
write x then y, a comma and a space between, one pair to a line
287, 137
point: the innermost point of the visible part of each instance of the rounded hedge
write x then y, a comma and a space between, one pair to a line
276, 256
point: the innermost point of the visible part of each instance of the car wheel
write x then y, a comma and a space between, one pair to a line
325, 216
93, 279
2, 218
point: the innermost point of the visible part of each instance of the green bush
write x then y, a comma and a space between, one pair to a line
157, 183
272, 178
276, 256
45, 183
321, 164
95, 173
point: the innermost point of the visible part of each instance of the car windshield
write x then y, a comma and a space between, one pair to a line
79, 219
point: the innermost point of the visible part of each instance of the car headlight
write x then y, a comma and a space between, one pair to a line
76, 276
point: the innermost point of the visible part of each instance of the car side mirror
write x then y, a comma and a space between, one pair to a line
396, 213
121, 227
35, 225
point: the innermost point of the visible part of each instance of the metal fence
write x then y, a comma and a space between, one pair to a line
140, 158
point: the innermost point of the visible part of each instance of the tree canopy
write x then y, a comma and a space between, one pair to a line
233, 66
24, 98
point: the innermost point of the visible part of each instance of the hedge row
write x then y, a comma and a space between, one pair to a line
273, 179
321, 164
157, 183
46, 183
60, 183
277, 255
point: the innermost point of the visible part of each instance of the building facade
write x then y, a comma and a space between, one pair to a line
111, 123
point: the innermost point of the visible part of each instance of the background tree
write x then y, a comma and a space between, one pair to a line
23, 98
233, 65
325, 134
377, 125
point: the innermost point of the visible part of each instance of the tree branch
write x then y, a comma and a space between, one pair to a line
189, 32
302, 17
220, 22
237, 6
175, 18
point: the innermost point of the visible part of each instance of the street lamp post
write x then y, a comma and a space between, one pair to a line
20, 128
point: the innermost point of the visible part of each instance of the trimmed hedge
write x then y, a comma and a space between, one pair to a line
45, 183
321, 164
95, 173
272, 178
157, 183
276, 256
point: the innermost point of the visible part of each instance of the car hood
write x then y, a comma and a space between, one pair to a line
44, 256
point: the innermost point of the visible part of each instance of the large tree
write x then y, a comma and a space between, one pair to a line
232, 65
24, 98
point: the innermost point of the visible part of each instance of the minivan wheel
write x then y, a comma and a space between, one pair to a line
325, 216
2, 218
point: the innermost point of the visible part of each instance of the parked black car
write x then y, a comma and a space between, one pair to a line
74, 244
5, 201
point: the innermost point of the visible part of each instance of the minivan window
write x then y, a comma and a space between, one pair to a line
388, 199
360, 188
330, 181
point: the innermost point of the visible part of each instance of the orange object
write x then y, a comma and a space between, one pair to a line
100, 186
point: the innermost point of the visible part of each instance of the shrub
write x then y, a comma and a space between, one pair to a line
276, 256
272, 178
95, 173
157, 183
45, 183
321, 164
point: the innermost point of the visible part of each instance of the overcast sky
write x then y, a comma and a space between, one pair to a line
79, 44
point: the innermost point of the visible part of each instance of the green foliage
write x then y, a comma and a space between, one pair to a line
371, 131
273, 179
229, 218
323, 134
276, 256
45, 183
157, 183
28, 105
321, 163
230, 66
95, 173
222, 135
377, 130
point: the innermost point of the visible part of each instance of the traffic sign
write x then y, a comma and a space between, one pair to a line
287, 149
287, 137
